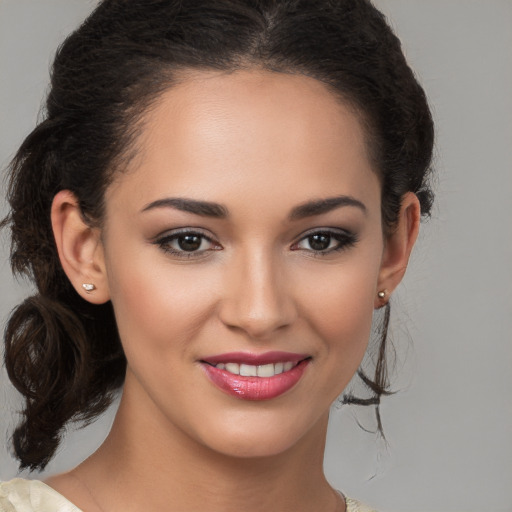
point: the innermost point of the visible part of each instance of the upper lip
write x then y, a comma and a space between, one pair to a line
255, 359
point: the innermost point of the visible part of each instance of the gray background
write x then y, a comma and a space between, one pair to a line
449, 428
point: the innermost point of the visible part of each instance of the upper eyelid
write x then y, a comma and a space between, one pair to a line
312, 231
169, 233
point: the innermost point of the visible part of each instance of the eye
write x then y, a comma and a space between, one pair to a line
325, 241
186, 244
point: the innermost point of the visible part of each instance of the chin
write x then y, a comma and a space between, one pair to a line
256, 446
264, 436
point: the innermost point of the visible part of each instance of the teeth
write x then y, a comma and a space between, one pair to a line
249, 370
266, 370
232, 368
287, 366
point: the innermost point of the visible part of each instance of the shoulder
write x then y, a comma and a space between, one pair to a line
356, 506
20, 495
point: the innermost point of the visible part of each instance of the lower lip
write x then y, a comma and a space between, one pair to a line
255, 388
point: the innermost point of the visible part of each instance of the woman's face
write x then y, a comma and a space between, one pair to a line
245, 236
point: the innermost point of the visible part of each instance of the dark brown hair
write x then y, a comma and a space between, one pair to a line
64, 354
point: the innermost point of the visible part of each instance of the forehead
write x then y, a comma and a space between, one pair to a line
221, 136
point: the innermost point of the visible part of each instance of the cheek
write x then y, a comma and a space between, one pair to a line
343, 321
156, 304
339, 303
345, 307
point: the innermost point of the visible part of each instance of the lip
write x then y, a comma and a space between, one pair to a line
255, 359
255, 388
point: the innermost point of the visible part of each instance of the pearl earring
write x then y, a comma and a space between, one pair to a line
88, 287
382, 294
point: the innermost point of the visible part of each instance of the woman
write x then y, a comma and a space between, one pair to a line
219, 197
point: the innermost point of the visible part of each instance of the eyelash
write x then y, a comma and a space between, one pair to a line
344, 239
165, 242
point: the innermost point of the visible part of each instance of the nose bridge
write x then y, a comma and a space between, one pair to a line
258, 300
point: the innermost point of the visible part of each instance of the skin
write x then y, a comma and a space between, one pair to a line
260, 144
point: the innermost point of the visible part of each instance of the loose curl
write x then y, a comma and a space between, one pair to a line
62, 353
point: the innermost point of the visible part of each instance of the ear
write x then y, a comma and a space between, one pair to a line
397, 248
80, 248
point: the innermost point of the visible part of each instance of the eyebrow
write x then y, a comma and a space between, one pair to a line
320, 206
218, 211
203, 208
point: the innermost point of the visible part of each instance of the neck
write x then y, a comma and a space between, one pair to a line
146, 463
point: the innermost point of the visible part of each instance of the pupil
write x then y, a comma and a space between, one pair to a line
319, 242
189, 242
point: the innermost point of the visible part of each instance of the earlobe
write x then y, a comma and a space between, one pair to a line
80, 249
398, 248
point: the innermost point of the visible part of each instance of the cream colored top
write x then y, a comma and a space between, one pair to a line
21, 495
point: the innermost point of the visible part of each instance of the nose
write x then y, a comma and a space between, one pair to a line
258, 298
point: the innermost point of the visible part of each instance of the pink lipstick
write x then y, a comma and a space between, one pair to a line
255, 376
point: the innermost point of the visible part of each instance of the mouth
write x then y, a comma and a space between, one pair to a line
255, 377
262, 370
